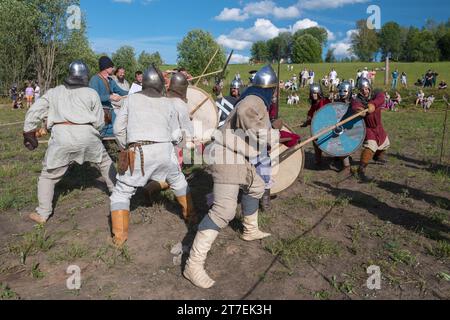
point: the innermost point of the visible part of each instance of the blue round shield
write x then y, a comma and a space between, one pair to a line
344, 140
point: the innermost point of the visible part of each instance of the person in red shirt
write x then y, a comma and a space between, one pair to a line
317, 102
377, 140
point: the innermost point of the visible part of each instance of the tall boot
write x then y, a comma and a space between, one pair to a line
195, 265
366, 156
380, 157
120, 220
265, 201
187, 205
251, 230
318, 155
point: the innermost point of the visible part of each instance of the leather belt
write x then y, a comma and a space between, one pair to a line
68, 123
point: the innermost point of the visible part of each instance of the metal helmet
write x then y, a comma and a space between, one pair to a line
153, 83
364, 83
178, 86
235, 84
78, 74
345, 89
265, 78
315, 88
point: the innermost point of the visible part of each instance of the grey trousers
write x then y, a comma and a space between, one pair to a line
224, 208
49, 178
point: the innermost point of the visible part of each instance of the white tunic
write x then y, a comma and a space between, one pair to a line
69, 143
184, 121
148, 119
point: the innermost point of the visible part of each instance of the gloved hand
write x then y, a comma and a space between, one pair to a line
30, 140
371, 108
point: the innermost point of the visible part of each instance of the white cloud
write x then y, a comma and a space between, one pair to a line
304, 24
264, 8
230, 43
263, 29
326, 4
239, 59
342, 48
233, 14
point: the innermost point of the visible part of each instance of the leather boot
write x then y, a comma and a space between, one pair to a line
195, 265
251, 230
120, 220
187, 206
380, 157
366, 156
265, 201
36, 217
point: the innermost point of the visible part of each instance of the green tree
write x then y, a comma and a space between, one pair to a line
364, 42
444, 46
76, 47
306, 49
280, 46
146, 59
16, 44
319, 33
330, 57
195, 51
420, 46
49, 37
390, 40
260, 51
125, 57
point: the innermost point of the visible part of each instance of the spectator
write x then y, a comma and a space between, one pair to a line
37, 92
332, 76
304, 76
396, 101
137, 84
372, 75
420, 97
434, 79
427, 103
290, 100
442, 85
358, 76
404, 80
312, 75
429, 79
13, 94
296, 98
395, 79
29, 94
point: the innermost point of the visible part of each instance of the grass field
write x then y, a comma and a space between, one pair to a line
324, 234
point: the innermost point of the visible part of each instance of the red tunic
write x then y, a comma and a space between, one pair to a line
316, 106
375, 130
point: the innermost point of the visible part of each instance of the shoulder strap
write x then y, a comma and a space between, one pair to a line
106, 83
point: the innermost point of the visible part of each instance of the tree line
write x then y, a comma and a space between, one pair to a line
403, 44
36, 43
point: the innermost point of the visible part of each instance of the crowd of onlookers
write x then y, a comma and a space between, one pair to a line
28, 94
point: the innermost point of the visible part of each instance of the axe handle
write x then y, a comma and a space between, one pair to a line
324, 131
207, 66
198, 107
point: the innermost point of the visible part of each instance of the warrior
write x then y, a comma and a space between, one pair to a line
345, 96
109, 92
317, 102
75, 114
145, 128
177, 93
226, 104
377, 140
234, 144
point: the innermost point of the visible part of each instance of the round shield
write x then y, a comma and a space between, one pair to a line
203, 112
287, 164
343, 140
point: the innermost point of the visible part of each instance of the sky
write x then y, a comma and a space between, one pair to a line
159, 25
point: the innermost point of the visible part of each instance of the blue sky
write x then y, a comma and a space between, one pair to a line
158, 25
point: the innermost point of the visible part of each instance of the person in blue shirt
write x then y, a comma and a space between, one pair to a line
109, 91
394, 79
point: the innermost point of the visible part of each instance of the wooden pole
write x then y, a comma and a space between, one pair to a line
198, 107
386, 75
206, 75
207, 66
